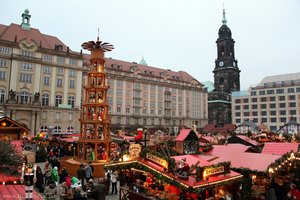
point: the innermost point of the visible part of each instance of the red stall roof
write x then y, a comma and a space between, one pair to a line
192, 160
279, 148
220, 150
16, 192
183, 134
252, 161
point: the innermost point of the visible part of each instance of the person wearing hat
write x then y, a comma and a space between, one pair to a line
54, 176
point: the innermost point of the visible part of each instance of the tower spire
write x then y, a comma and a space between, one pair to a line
224, 21
98, 34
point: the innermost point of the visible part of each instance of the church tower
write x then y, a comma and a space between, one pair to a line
226, 78
226, 72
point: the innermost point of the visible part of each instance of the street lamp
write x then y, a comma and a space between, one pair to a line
145, 137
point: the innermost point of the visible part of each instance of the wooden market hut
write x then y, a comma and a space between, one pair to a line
12, 130
187, 142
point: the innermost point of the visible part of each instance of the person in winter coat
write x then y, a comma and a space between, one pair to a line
63, 175
114, 181
88, 172
68, 181
54, 176
81, 174
48, 171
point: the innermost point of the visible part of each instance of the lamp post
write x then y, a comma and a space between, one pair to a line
145, 137
50, 129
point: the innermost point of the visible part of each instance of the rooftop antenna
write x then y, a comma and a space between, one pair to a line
224, 21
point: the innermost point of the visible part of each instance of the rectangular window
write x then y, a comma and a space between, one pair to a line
283, 112
47, 58
118, 120
273, 112
73, 62
282, 105
291, 90
57, 116
118, 109
27, 53
237, 101
292, 112
254, 113
70, 116
272, 98
292, 97
47, 69
60, 71
262, 92
127, 110
59, 82
2, 75
26, 66
72, 73
279, 91
246, 107
238, 107
273, 119
254, 99
263, 106
270, 91
61, 60
263, 113
246, 100
25, 78
3, 63
44, 115
237, 114
292, 105
46, 80
272, 105
237, 121
265, 120
246, 114
254, 106
263, 99
4, 50
253, 93
72, 84
282, 119
298, 89
281, 98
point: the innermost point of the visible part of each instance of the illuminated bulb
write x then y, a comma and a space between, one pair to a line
3, 183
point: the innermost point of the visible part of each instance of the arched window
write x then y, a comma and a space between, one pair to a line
70, 130
57, 130
44, 129
45, 99
71, 101
58, 100
24, 97
2, 96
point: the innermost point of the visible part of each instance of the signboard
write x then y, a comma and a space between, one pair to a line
213, 170
64, 106
134, 150
157, 160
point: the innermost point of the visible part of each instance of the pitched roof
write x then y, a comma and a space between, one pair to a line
279, 148
220, 150
253, 161
192, 160
13, 123
248, 140
14, 33
214, 129
183, 134
147, 71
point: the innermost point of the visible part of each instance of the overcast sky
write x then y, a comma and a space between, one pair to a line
175, 34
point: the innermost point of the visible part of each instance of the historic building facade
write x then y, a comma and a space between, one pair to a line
41, 83
273, 102
226, 78
141, 96
40, 79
